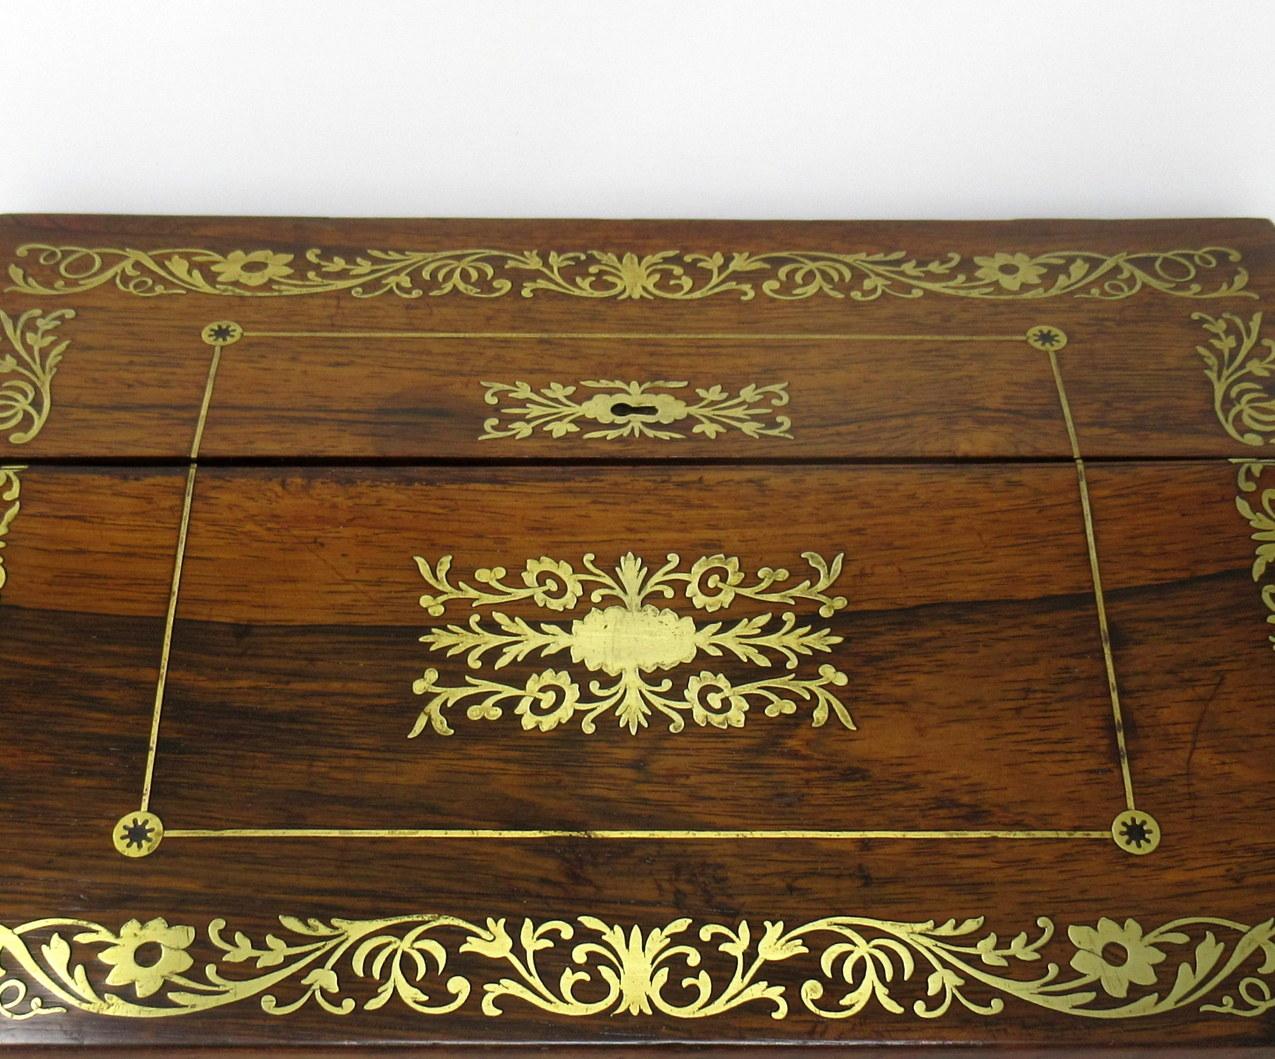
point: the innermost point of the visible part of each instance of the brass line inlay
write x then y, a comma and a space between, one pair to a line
139, 834
845, 964
1096, 573
620, 834
673, 274
715, 336
218, 341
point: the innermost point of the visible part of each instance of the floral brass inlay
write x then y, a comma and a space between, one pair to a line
10, 504
630, 638
621, 409
1258, 506
26, 373
1240, 364
590, 967
669, 274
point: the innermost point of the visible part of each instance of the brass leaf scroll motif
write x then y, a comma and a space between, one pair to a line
1240, 364
27, 367
590, 967
624, 637
1258, 506
618, 409
667, 274
10, 504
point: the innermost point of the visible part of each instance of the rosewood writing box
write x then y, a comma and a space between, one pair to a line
537, 632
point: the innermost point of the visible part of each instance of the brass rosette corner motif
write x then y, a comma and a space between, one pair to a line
612, 409
29, 358
589, 967
625, 637
678, 275
10, 505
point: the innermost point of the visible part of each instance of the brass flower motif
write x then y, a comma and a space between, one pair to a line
712, 581
1115, 955
252, 268
713, 701
624, 636
131, 958
1010, 271
556, 585
550, 700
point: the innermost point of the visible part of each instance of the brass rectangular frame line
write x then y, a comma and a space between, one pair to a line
626, 833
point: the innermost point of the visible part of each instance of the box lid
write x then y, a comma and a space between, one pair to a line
520, 339
600, 632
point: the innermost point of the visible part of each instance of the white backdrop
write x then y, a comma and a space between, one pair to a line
748, 108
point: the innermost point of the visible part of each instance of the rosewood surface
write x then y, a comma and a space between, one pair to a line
501, 717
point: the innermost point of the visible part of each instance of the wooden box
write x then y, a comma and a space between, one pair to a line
573, 633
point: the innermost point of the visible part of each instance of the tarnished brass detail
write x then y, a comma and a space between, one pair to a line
26, 373
630, 638
10, 505
1240, 364
845, 964
619, 409
667, 274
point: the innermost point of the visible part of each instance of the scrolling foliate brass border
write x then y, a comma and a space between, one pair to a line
1240, 363
10, 505
619, 409
1257, 505
631, 639
590, 967
678, 275
27, 368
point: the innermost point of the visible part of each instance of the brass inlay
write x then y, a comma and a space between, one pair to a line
26, 373
630, 638
1104, 632
667, 274
625, 834
138, 834
434, 964
218, 335
10, 505
1258, 506
1136, 832
141, 832
1240, 364
619, 409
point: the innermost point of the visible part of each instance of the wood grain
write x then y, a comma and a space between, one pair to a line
970, 635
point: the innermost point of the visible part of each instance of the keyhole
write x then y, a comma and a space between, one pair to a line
622, 408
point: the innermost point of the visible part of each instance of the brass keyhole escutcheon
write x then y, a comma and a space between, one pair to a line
623, 408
